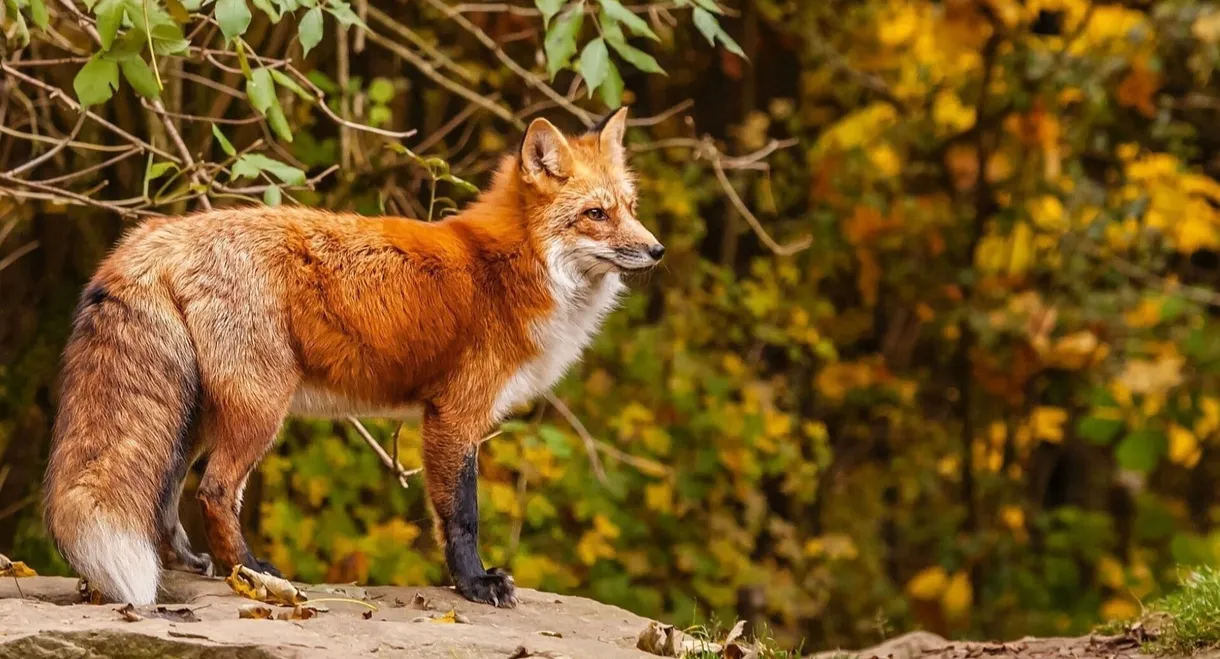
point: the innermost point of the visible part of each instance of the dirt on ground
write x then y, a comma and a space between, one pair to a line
200, 620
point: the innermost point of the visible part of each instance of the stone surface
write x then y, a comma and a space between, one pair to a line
47, 622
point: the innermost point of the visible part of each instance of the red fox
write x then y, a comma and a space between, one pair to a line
199, 334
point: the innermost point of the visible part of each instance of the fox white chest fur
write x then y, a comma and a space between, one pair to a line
560, 338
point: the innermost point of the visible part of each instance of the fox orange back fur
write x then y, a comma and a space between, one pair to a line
199, 334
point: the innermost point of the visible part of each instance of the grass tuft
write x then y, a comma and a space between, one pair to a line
1191, 615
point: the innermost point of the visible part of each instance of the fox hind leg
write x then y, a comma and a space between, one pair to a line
175, 546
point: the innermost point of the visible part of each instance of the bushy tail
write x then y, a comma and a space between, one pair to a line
130, 389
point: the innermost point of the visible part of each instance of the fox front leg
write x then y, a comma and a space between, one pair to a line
451, 469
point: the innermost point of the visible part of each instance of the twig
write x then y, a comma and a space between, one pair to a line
574, 421
430, 71
21, 251
1147, 277
34, 162
664, 116
386, 460
92, 168
414, 37
530, 79
782, 250
176, 138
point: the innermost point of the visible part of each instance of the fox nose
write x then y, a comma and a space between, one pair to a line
656, 251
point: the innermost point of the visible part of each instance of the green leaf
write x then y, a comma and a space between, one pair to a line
252, 165
462, 184
272, 196
38, 11
234, 17
195, 5
638, 58
279, 123
560, 42
707, 24
310, 30
710, 27
243, 61
261, 90
291, 85
637, 25
225, 144
22, 29
96, 81
381, 91
549, 8
109, 15
167, 39
710, 5
555, 441
595, 63
379, 115
1099, 430
158, 170
344, 14
612, 89
1141, 450
272, 11
140, 77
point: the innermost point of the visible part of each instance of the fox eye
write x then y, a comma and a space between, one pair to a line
596, 214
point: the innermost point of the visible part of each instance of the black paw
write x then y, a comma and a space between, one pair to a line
262, 566
495, 588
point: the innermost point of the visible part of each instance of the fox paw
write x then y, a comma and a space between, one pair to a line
263, 566
495, 587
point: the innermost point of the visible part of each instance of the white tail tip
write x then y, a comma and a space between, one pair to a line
121, 564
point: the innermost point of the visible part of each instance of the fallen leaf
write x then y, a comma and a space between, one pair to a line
549, 633
736, 632
88, 594
10, 568
522, 653
129, 613
254, 612
298, 613
368, 615
422, 603
264, 587
398, 603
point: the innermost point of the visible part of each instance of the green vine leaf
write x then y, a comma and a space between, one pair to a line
309, 32
549, 8
594, 63
97, 81
560, 42
234, 18
140, 77
615, 9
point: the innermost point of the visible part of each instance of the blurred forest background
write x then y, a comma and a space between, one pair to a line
935, 344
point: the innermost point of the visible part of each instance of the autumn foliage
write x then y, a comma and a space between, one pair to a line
984, 401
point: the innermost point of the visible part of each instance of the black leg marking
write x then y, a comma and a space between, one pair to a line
494, 586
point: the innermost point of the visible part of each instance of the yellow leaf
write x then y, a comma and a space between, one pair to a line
1146, 314
929, 584
659, 497
1013, 517
15, 568
1137, 89
1183, 446
263, 587
1048, 423
447, 619
1209, 419
957, 597
949, 112
1110, 572
1207, 27
1047, 213
1021, 255
898, 28
1119, 608
885, 160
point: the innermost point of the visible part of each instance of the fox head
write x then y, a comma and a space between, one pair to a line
581, 200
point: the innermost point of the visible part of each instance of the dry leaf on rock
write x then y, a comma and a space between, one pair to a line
129, 613
264, 587
88, 594
10, 568
422, 603
254, 612
549, 633
666, 641
298, 613
368, 615
522, 653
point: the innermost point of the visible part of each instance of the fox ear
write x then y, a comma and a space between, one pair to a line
545, 151
610, 138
